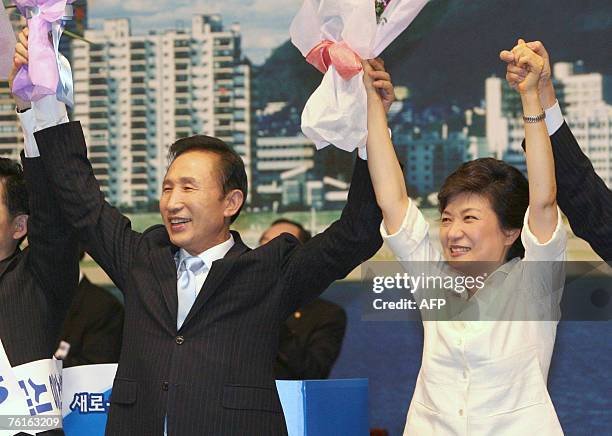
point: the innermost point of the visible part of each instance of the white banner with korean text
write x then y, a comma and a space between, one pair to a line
30, 396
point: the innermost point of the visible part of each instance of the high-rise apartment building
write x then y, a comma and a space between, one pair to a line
137, 94
429, 156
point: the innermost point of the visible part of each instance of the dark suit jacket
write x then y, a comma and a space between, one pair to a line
214, 376
582, 196
311, 340
37, 284
93, 326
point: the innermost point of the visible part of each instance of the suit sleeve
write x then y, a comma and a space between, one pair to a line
104, 232
313, 357
52, 254
310, 268
582, 194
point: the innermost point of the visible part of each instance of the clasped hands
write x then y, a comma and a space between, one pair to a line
517, 70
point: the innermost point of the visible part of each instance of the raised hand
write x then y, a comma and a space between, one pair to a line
532, 64
378, 81
515, 74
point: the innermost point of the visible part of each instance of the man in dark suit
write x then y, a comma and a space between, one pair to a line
311, 338
582, 195
37, 283
93, 327
205, 367
310, 341
202, 310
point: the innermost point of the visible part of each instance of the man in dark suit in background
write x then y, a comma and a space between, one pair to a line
311, 338
37, 283
582, 195
92, 331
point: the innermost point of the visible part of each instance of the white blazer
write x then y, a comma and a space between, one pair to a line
487, 377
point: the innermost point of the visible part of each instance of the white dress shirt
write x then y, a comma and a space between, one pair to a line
46, 112
485, 377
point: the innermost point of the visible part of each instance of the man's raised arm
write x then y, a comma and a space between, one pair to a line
582, 195
52, 253
310, 268
102, 230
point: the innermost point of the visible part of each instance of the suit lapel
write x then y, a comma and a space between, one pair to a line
218, 271
164, 268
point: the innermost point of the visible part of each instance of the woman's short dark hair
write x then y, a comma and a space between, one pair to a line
503, 185
15, 192
231, 172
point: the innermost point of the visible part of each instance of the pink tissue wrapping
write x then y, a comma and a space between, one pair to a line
41, 76
7, 44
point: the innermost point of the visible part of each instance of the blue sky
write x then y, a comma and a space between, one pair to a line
264, 23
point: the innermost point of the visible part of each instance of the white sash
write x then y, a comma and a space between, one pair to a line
30, 395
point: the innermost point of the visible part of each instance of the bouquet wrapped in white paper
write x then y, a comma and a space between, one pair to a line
334, 35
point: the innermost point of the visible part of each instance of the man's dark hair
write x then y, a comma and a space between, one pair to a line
15, 195
304, 235
231, 170
503, 185
15, 192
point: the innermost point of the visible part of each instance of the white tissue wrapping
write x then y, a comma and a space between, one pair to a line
336, 113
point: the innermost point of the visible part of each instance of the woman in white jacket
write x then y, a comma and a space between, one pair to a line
481, 377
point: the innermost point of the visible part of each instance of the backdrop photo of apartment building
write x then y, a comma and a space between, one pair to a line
139, 89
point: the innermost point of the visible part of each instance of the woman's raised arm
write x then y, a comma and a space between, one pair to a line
385, 171
540, 163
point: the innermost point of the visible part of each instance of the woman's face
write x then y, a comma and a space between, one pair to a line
470, 231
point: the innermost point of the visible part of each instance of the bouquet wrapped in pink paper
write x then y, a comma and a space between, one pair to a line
48, 73
334, 35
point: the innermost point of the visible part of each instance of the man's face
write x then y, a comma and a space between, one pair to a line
192, 204
277, 229
12, 229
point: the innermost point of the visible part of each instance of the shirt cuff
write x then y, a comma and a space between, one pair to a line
28, 126
362, 153
413, 231
49, 112
554, 118
553, 249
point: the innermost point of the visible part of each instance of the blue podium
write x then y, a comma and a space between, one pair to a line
311, 407
325, 407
